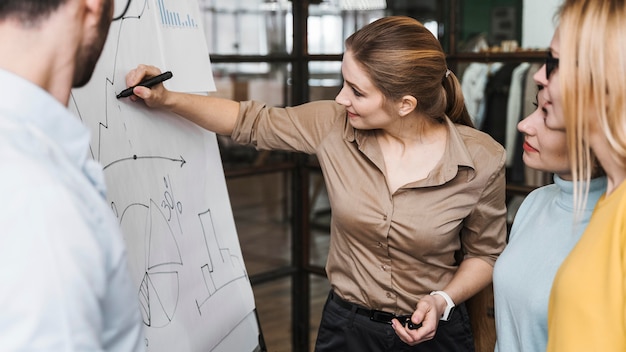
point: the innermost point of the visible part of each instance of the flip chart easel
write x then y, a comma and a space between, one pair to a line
166, 186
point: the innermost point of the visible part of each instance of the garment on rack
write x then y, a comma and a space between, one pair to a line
514, 109
497, 97
473, 86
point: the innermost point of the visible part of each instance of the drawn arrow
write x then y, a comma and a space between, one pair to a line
135, 157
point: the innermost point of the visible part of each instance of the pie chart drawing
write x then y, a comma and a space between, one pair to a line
159, 287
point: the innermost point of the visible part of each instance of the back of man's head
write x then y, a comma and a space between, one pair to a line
28, 12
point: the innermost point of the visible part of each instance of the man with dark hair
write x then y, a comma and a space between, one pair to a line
64, 279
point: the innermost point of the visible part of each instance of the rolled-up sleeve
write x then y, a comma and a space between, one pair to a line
484, 233
301, 128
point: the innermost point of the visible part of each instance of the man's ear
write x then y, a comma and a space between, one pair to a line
93, 5
94, 9
408, 104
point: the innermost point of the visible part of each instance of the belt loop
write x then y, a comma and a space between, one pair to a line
353, 307
353, 310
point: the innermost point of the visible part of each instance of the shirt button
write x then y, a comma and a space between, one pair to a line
383, 267
379, 245
389, 295
385, 217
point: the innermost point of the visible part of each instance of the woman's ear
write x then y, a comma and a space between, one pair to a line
408, 104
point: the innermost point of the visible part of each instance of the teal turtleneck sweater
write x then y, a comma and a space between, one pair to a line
543, 234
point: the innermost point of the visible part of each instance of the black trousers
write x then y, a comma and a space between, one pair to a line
344, 330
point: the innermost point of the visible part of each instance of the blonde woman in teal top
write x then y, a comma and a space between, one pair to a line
543, 234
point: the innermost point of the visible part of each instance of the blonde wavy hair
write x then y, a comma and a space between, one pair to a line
592, 72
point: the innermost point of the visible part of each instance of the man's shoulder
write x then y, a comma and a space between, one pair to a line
20, 167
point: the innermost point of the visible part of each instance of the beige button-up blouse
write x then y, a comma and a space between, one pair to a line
389, 249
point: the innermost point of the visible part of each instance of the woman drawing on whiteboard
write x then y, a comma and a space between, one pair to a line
417, 194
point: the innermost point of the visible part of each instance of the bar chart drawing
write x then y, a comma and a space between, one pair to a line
175, 19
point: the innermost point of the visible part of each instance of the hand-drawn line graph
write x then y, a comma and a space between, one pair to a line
167, 189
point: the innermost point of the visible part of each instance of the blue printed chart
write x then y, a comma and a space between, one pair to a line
184, 48
166, 186
170, 35
170, 18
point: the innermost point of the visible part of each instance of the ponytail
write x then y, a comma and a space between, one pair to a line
455, 105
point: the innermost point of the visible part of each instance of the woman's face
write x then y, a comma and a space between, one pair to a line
545, 148
363, 101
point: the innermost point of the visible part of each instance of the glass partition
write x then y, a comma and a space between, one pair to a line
263, 81
330, 22
324, 80
248, 27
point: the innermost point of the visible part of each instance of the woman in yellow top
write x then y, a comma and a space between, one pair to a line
587, 309
417, 194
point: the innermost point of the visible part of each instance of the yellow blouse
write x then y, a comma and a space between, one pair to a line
587, 309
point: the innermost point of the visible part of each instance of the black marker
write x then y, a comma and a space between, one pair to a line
148, 83
405, 320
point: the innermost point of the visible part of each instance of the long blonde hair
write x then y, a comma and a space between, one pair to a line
592, 71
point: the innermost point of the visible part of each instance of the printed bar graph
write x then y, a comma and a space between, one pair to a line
174, 19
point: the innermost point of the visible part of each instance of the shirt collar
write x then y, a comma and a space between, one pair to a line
456, 156
28, 104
